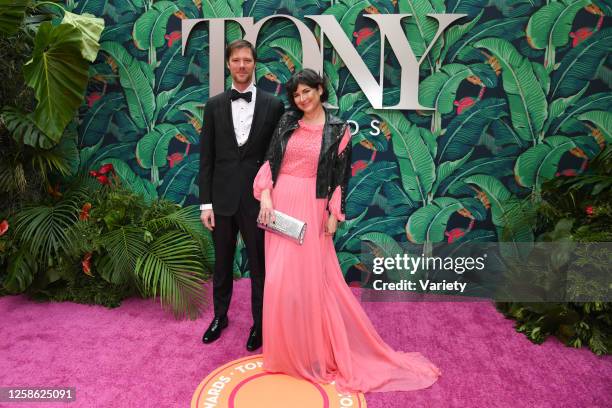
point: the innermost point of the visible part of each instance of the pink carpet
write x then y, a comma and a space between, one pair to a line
139, 356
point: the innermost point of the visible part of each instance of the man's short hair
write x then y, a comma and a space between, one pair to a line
237, 44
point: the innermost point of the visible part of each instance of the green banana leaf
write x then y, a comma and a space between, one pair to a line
351, 239
446, 169
464, 131
456, 32
475, 207
346, 12
528, 106
12, 13
58, 74
602, 120
549, 27
598, 101
412, 146
152, 149
393, 200
259, 9
219, 9
579, 66
503, 208
469, 7
290, 48
96, 7
172, 69
560, 105
123, 151
539, 163
439, 90
497, 166
123, 127
95, 124
119, 32
365, 185
131, 180
346, 261
135, 78
188, 7
505, 134
150, 27
176, 182
381, 245
421, 29
428, 223
172, 113
508, 28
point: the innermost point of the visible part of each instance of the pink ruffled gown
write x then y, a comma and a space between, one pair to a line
313, 326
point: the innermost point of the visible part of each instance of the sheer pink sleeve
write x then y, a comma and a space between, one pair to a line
345, 139
335, 204
263, 180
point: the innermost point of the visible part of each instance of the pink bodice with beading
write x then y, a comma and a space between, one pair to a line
302, 153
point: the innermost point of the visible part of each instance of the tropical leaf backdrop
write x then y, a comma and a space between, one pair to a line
521, 90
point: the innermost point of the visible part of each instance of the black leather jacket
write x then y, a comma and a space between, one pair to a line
333, 169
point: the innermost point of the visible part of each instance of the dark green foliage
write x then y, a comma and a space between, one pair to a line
577, 209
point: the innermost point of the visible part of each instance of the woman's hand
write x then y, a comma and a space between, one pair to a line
266, 209
331, 225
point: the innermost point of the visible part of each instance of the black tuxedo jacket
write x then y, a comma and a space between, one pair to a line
227, 171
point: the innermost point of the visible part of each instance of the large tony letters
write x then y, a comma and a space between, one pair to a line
391, 31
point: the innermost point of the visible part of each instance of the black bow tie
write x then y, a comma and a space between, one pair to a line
239, 95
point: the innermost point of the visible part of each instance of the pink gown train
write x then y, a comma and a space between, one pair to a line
313, 326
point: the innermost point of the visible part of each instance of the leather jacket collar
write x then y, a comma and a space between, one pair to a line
331, 167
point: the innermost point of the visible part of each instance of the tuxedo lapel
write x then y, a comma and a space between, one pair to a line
227, 110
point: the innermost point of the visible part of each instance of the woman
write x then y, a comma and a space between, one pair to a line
313, 326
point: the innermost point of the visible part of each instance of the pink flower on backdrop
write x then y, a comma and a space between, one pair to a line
92, 98
580, 35
463, 104
358, 166
4, 226
172, 37
362, 35
174, 158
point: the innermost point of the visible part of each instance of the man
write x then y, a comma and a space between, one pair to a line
238, 126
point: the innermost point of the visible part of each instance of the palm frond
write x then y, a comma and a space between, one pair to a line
124, 246
187, 219
44, 228
172, 270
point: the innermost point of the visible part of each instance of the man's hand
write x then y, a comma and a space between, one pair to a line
331, 225
208, 219
266, 209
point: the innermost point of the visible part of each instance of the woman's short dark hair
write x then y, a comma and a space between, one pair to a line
306, 77
237, 44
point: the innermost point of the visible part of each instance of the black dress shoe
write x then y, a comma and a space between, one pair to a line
214, 330
254, 341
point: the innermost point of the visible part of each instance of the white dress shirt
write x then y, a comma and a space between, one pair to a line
242, 116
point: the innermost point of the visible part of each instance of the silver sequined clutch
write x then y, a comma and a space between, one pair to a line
286, 226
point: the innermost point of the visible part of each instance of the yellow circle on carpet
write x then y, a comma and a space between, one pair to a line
243, 383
